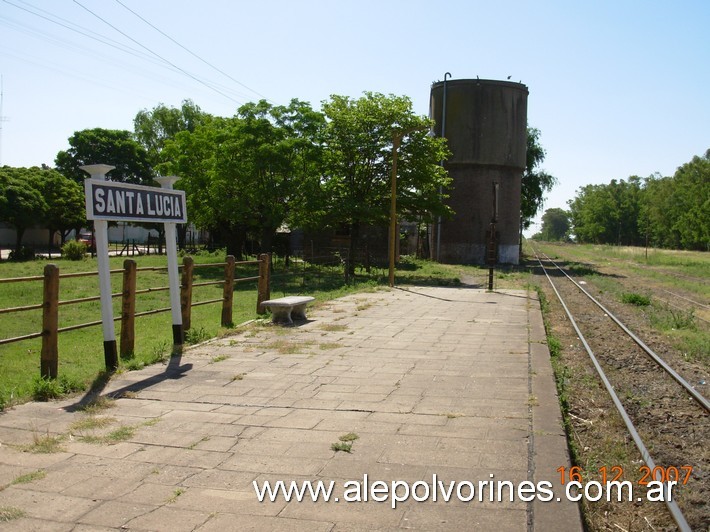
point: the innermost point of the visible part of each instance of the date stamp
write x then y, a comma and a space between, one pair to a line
678, 475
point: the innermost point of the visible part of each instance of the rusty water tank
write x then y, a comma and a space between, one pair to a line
486, 128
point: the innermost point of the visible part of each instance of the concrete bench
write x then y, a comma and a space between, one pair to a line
285, 309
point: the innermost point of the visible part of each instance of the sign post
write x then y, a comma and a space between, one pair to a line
113, 201
173, 280
98, 173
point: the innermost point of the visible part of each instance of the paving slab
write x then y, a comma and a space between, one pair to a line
442, 393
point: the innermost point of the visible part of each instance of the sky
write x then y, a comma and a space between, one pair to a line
617, 88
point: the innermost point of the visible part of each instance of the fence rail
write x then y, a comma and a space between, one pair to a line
49, 356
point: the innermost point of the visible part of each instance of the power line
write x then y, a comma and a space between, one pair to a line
78, 29
55, 41
190, 51
156, 54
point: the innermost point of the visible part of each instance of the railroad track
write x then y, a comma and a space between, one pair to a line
655, 402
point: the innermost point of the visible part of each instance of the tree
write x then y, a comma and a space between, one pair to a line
21, 203
154, 128
107, 146
252, 172
608, 214
65, 203
677, 209
535, 182
555, 224
359, 139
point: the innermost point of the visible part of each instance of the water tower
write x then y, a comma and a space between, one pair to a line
486, 127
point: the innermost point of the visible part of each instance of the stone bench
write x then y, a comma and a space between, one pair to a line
285, 309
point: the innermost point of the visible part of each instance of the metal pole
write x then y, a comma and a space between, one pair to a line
99, 171
396, 140
167, 182
441, 192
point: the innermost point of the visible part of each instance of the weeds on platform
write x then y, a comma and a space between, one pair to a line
30, 477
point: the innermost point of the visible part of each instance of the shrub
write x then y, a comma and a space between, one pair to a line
636, 299
196, 336
45, 389
25, 253
74, 250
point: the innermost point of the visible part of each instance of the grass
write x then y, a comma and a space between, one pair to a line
326, 346
196, 336
345, 443
91, 423
97, 405
288, 347
633, 298
454, 415
333, 327
10, 513
670, 270
175, 495
45, 389
45, 444
122, 433
81, 351
30, 477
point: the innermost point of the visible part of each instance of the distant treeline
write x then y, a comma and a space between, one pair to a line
669, 212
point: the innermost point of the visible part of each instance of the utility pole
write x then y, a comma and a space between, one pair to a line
441, 191
396, 142
2, 118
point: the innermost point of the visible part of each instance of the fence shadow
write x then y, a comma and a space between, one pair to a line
174, 370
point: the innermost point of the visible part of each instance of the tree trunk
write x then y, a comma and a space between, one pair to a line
182, 235
267, 238
352, 252
235, 238
161, 238
49, 247
19, 233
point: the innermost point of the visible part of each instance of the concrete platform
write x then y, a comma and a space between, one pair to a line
449, 385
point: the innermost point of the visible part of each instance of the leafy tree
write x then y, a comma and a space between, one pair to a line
252, 172
659, 212
677, 209
609, 213
692, 193
359, 139
154, 128
555, 224
21, 203
65, 203
107, 146
535, 182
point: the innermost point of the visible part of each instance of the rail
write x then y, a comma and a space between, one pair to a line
672, 505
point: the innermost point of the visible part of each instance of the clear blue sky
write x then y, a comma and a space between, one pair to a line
617, 88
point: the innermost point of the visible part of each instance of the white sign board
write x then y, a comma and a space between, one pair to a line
114, 201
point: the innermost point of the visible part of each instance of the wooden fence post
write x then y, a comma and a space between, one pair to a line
228, 293
264, 286
128, 309
50, 323
188, 265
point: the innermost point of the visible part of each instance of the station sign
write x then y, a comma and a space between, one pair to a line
124, 202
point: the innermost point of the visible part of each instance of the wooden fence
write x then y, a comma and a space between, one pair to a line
50, 305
